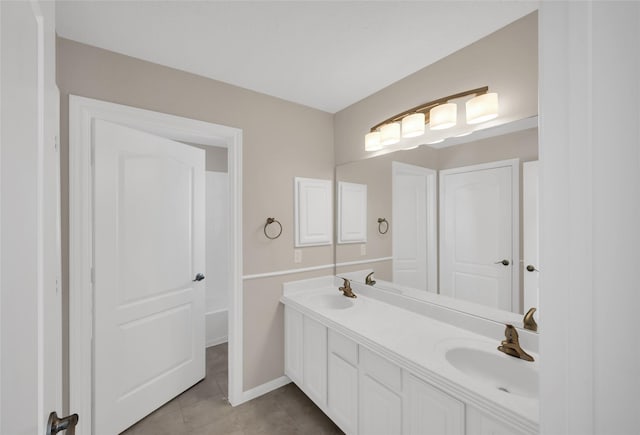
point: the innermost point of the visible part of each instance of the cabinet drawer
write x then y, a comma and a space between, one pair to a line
343, 347
381, 369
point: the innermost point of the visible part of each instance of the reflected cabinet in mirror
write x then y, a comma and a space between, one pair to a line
462, 223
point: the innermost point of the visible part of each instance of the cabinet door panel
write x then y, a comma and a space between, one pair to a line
479, 423
429, 411
315, 361
342, 394
293, 344
380, 409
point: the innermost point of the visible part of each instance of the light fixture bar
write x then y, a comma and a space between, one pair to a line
425, 107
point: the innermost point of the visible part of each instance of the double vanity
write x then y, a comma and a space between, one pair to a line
380, 364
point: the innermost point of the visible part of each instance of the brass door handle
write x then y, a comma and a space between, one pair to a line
531, 268
503, 262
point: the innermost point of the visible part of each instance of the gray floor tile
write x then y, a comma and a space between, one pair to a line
204, 410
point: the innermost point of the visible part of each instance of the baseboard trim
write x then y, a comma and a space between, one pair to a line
216, 341
264, 388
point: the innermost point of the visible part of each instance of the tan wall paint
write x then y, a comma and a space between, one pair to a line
281, 140
215, 157
506, 61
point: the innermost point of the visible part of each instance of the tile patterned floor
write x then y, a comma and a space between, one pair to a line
204, 410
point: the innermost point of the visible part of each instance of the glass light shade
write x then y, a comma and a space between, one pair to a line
482, 108
372, 141
413, 125
443, 116
390, 133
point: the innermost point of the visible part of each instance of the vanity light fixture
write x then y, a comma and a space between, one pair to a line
372, 141
390, 133
482, 108
440, 114
413, 125
443, 116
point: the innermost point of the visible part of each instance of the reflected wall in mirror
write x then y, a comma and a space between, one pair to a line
452, 240
462, 221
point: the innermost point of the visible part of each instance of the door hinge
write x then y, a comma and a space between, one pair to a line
93, 276
93, 156
56, 143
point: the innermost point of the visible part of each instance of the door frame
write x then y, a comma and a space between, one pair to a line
82, 112
514, 164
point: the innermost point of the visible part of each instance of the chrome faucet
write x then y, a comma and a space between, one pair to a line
369, 279
511, 344
346, 289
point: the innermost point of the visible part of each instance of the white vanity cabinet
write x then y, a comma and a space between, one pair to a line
365, 393
380, 395
479, 423
429, 411
306, 354
342, 394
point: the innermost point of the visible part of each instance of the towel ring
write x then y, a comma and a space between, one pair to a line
386, 227
269, 222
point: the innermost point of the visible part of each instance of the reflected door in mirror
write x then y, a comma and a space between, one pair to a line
477, 227
414, 227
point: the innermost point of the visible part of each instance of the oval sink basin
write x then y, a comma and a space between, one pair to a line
505, 373
334, 302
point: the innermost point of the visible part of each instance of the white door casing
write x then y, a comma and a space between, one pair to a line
82, 114
30, 298
530, 235
414, 227
148, 246
479, 229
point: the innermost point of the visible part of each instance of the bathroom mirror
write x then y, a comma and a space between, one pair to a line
454, 225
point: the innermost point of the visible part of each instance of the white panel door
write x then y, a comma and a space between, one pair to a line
30, 298
315, 361
352, 212
429, 411
414, 227
380, 409
530, 235
149, 245
476, 234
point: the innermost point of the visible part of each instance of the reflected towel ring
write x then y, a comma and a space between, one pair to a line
269, 222
385, 222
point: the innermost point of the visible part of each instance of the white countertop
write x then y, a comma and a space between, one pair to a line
418, 344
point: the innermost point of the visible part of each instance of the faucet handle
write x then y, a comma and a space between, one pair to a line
529, 321
369, 279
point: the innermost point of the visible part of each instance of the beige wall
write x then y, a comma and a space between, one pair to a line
506, 61
215, 157
281, 140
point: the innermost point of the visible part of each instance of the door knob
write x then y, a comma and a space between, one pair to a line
199, 277
503, 262
531, 268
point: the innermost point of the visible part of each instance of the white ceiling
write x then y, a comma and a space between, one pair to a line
323, 54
